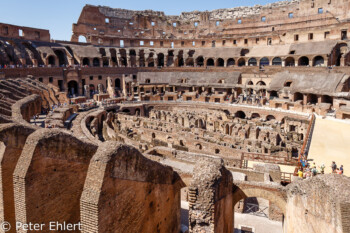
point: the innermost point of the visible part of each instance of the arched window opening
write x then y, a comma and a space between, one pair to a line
241, 62
240, 114
318, 61
264, 61
230, 62
303, 61
96, 62
289, 61
220, 62
200, 61
86, 62
210, 62
252, 62
277, 61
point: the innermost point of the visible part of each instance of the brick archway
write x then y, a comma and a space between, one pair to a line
275, 195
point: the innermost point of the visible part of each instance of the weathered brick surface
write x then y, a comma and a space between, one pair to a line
12, 140
210, 197
49, 177
123, 189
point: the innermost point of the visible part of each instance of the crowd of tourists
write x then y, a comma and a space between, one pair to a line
308, 170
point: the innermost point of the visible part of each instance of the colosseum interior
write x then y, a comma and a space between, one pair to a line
197, 123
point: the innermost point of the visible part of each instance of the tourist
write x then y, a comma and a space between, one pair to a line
314, 171
307, 174
300, 173
322, 167
334, 167
341, 169
338, 171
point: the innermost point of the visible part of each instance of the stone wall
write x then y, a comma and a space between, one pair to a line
49, 177
26, 108
123, 189
12, 140
319, 205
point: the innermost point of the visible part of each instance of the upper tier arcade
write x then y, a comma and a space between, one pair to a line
276, 23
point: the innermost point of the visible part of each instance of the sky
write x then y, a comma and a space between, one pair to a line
58, 16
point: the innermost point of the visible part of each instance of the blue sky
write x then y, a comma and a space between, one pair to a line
58, 16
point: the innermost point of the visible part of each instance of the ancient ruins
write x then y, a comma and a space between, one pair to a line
184, 123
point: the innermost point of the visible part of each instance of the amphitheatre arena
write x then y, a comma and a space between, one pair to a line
203, 122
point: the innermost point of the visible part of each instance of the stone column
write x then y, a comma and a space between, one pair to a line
210, 198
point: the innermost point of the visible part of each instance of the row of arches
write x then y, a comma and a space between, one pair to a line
312, 98
124, 58
242, 115
95, 62
179, 62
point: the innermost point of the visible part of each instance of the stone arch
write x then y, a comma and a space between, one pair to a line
240, 114
220, 62
117, 83
255, 116
339, 51
73, 87
180, 59
277, 61
199, 123
290, 61
264, 61
150, 60
318, 61
312, 98
96, 62
86, 61
261, 83
160, 60
200, 61
170, 58
62, 58
250, 83
273, 196
270, 118
133, 58
241, 62
252, 62
123, 58
210, 62
303, 61
114, 56
51, 60
82, 39
298, 96
230, 62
